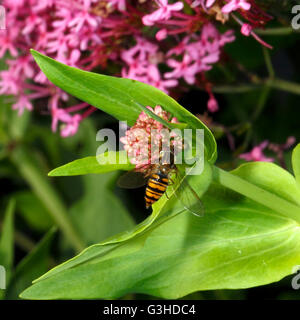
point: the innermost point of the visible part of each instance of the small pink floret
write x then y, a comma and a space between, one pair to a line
234, 5
256, 154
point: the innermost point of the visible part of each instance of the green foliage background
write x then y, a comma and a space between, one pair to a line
45, 221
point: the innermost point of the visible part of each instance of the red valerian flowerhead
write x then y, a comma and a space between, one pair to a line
144, 141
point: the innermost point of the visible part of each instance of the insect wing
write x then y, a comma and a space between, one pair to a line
132, 180
188, 197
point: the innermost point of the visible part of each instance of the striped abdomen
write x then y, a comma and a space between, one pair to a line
156, 187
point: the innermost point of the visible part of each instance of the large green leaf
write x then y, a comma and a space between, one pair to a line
119, 97
164, 209
237, 244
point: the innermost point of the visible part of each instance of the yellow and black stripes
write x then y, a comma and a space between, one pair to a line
156, 187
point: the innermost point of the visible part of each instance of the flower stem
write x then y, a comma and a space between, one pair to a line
284, 85
263, 98
233, 89
268, 62
279, 84
256, 193
258, 110
282, 31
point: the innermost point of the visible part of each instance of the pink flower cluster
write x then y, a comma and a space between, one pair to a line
144, 141
115, 37
192, 55
257, 153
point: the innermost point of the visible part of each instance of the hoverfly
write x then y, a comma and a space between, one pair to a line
157, 179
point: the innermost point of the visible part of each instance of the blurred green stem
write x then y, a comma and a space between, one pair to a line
46, 193
274, 83
268, 62
235, 88
276, 31
23, 241
261, 102
258, 110
284, 85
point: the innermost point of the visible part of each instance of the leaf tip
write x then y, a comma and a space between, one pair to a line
33, 52
23, 295
52, 173
36, 55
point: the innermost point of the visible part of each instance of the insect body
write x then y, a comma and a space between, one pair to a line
157, 178
156, 187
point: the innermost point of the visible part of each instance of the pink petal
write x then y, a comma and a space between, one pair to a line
209, 3
161, 34
176, 6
